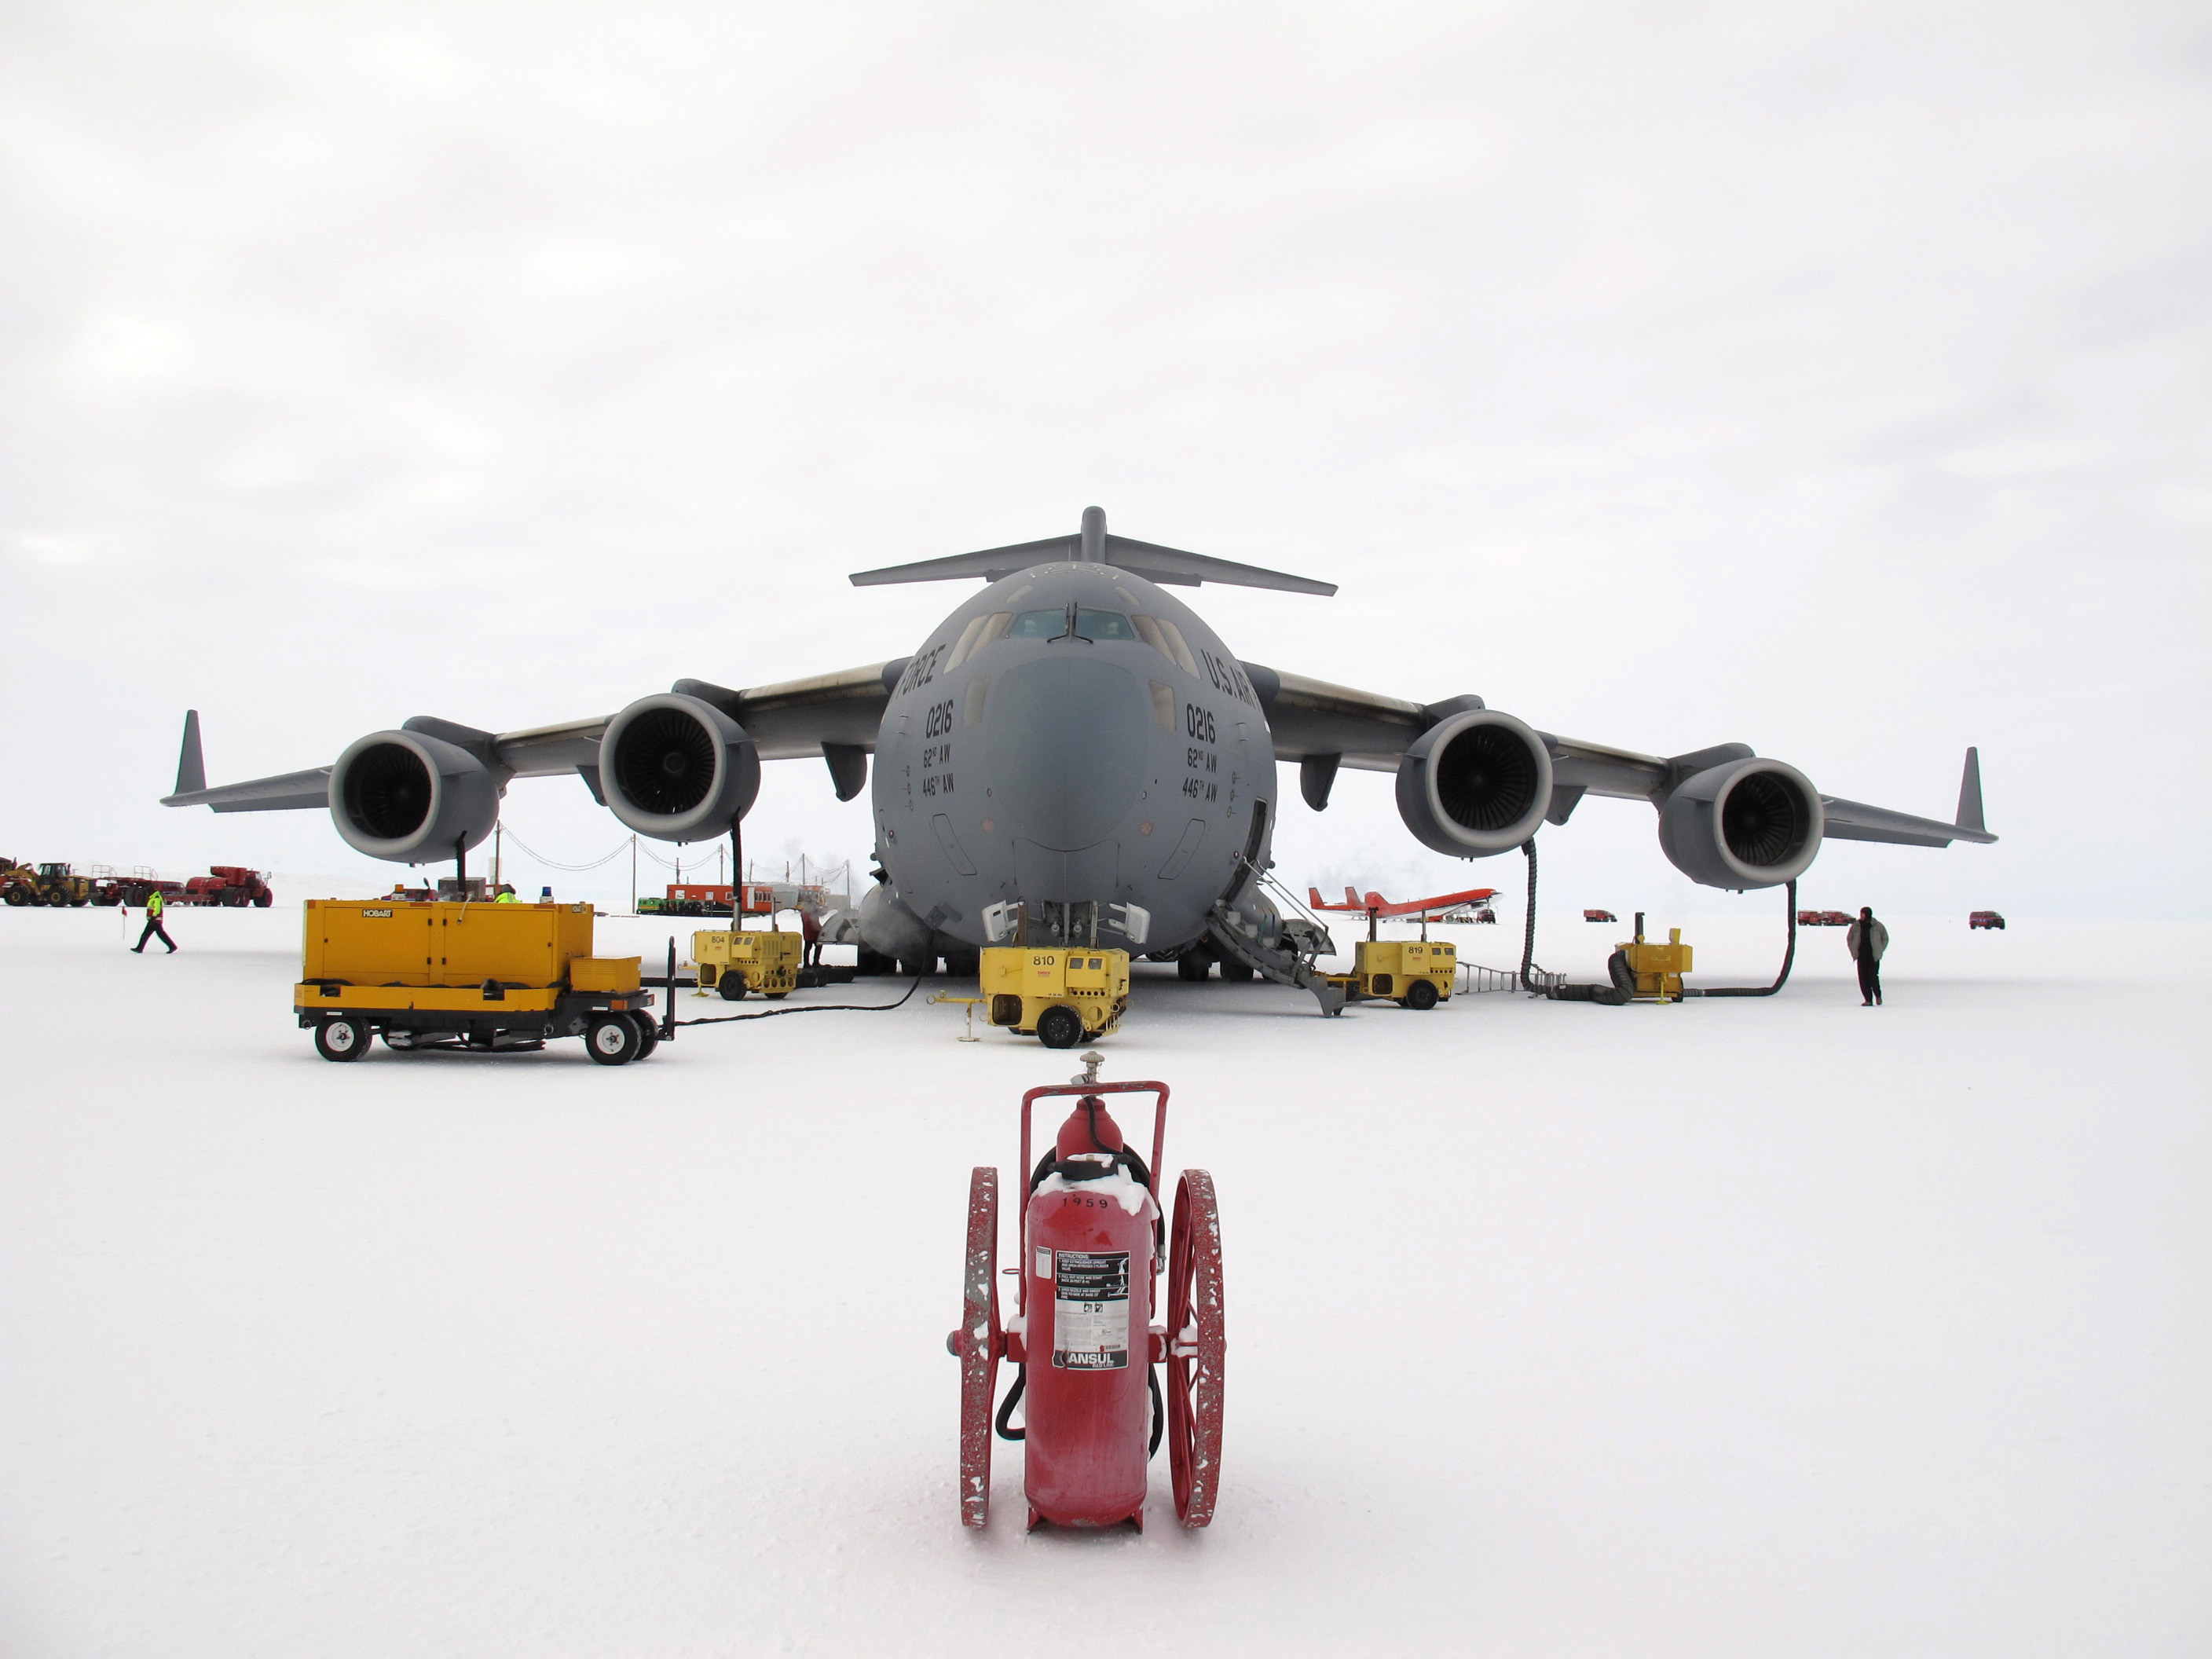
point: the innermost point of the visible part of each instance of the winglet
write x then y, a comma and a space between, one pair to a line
191, 771
1970, 793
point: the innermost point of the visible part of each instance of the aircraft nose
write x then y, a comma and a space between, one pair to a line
1067, 743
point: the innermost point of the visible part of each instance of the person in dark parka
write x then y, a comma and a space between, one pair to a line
1866, 941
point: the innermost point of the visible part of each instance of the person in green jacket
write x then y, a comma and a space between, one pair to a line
505, 894
156, 904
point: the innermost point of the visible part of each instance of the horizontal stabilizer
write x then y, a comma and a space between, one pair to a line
1169, 566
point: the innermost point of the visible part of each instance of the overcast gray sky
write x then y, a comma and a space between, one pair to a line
1830, 378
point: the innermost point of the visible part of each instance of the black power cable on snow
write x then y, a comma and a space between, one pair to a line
811, 1008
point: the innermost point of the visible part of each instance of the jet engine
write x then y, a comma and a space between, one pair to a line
411, 797
1476, 783
676, 767
1745, 823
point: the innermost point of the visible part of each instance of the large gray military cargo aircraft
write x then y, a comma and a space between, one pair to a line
1073, 754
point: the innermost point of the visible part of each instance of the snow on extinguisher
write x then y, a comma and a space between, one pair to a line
1092, 1246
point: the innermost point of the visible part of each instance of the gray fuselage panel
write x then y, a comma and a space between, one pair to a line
1073, 733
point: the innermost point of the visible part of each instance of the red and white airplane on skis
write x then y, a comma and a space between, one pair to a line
1375, 905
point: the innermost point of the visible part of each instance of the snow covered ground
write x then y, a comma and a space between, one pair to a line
1760, 1328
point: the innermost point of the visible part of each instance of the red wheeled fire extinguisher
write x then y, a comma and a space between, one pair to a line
1091, 1248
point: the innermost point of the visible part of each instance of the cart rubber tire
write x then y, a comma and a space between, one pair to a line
649, 1034
977, 1345
774, 996
732, 987
611, 1040
1421, 995
1060, 1027
1196, 1348
341, 1039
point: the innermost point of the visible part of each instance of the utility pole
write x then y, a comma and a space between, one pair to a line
497, 830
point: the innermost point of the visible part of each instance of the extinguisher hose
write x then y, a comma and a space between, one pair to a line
1003, 1423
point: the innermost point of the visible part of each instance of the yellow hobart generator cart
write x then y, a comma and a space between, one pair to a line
1412, 973
734, 963
478, 976
1062, 994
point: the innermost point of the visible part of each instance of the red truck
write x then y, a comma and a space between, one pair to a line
1984, 919
230, 884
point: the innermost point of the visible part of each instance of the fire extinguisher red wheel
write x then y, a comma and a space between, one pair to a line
1197, 1348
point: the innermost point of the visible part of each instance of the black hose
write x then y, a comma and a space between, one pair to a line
814, 1008
1788, 956
1159, 1412
1529, 927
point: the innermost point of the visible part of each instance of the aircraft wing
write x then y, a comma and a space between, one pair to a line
831, 715
1323, 726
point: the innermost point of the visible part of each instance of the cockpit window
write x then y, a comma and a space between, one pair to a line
1166, 638
1103, 625
1089, 625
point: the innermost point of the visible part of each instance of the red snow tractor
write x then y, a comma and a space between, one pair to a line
1092, 1245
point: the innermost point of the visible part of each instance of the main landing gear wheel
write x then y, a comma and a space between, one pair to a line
611, 1040
1060, 1027
1193, 966
977, 1344
1196, 1348
340, 1039
1236, 972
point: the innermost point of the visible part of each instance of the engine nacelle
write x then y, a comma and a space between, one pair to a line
1742, 825
410, 797
677, 769
1476, 783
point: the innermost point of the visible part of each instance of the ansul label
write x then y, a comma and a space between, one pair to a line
1091, 1311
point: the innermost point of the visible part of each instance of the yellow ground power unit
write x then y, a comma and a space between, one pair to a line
483, 977
1658, 967
1062, 994
1410, 972
735, 963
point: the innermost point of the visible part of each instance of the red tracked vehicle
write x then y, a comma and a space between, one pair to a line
1088, 1268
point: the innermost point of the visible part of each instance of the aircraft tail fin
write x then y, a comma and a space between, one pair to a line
191, 770
1351, 896
1970, 793
1314, 898
1171, 566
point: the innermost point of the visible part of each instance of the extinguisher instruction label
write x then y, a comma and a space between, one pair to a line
1091, 1311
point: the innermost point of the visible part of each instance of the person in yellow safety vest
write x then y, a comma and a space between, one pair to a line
156, 904
505, 894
